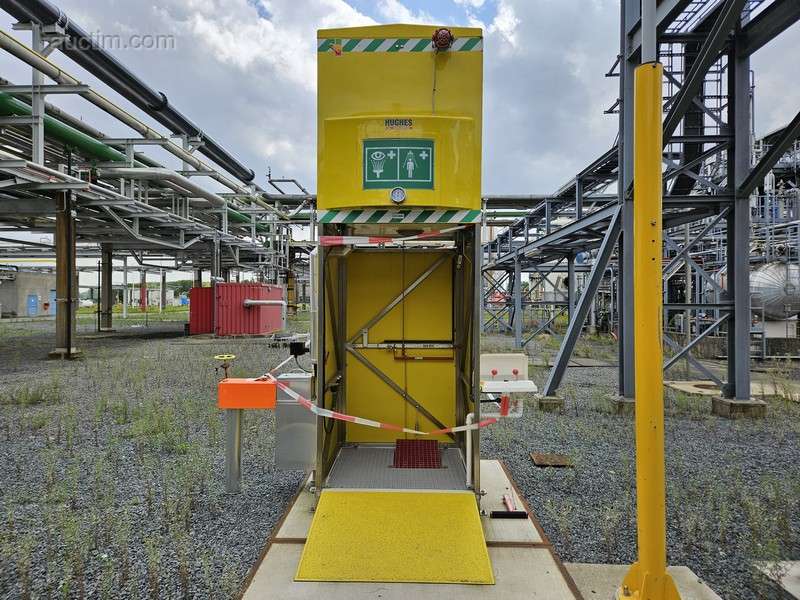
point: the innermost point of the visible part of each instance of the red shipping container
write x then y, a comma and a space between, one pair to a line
234, 317
201, 311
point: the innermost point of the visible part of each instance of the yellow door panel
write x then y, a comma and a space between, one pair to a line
374, 280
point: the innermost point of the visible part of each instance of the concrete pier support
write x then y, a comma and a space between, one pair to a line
198, 278
106, 287
731, 408
624, 406
550, 403
66, 279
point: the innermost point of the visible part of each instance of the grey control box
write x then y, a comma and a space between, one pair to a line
296, 443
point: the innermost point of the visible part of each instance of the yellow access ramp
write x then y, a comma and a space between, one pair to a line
396, 536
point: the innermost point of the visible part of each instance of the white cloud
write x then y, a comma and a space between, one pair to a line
245, 72
232, 32
250, 80
505, 23
396, 12
777, 91
545, 92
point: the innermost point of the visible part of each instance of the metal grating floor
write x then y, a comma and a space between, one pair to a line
370, 467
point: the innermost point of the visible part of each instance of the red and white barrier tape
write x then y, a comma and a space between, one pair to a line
347, 240
332, 414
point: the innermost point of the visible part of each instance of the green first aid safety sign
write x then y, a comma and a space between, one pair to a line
390, 163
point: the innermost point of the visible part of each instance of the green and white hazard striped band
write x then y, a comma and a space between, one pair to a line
344, 45
398, 216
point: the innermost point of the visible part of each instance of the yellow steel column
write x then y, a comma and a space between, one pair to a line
648, 578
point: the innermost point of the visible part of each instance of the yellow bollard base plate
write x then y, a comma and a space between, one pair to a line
396, 536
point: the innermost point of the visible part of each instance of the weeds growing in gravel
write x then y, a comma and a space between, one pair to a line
32, 394
116, 464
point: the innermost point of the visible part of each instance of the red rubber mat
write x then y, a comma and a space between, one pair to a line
417, 454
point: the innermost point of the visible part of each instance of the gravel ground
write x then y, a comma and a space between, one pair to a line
111, 483
733, 487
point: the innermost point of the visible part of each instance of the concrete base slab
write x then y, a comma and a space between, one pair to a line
523, 562
737, 409
550, 403
785, 573
624, 406
63, 354
698, 387
758, 389
602, 581
495, 483
529, 573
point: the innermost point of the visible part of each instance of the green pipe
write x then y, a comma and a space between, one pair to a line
237, 217
71, 137
91, 147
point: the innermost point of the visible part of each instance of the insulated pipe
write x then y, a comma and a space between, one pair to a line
92, 148
16, 48
64, 133
96, 60
165, 175
66, 118
39, 62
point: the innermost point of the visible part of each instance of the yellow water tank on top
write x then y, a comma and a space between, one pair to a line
399, 117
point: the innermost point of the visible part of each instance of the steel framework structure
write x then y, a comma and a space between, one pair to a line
713, 180
104, 196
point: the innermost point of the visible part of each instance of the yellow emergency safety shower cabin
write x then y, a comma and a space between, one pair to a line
399, 156
395, 319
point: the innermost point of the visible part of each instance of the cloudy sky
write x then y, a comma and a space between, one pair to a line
244, 70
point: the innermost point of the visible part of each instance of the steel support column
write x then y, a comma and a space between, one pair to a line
106, 287
162, 304
125, 292
143, 290
648, 577
631, 11
215, 278
517, 302
738, 255
66, 278
571, 287
576, 323
37, 99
